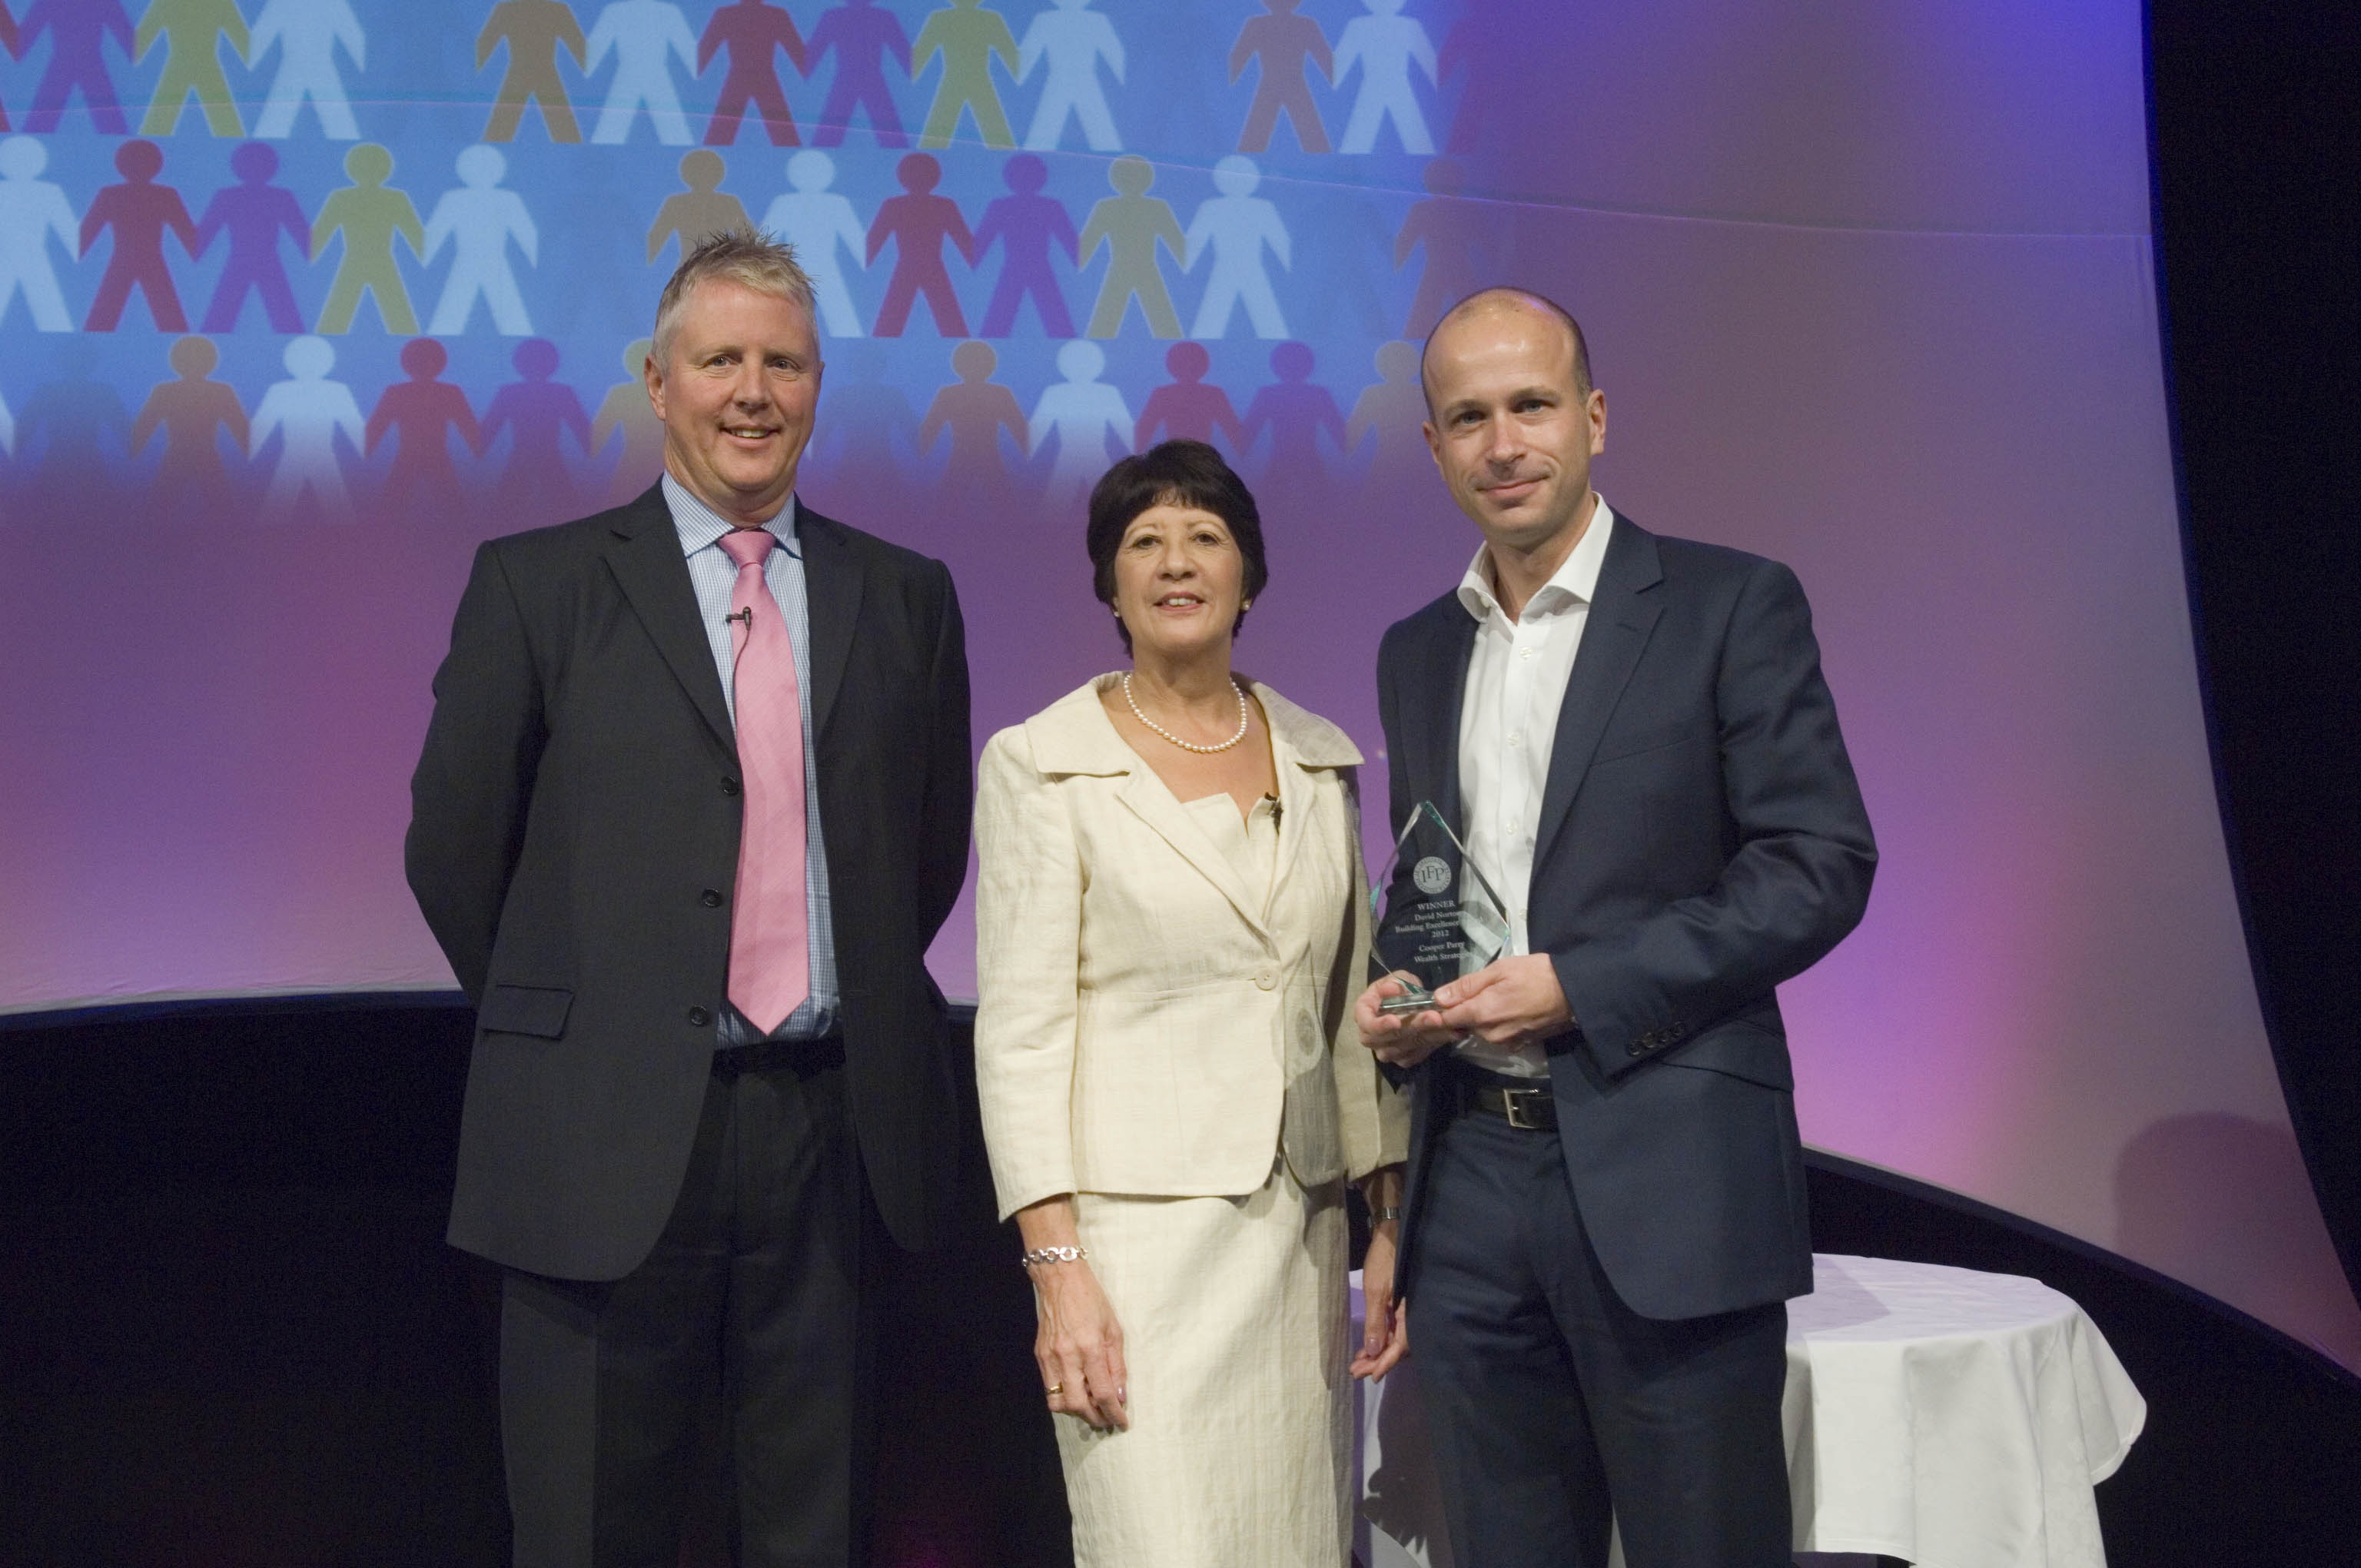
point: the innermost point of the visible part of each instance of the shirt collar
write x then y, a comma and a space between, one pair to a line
700, 527
1575, 582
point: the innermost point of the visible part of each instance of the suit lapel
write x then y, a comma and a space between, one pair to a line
1623, 611
1155, 805
833, 586
646, 559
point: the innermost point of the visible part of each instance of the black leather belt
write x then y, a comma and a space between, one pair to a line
766, 1056
1527, 1104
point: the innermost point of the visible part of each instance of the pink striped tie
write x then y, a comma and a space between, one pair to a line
769, 962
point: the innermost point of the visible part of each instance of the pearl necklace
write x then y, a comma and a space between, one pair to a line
1189, 745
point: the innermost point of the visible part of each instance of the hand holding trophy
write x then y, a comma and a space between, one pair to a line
1440, 918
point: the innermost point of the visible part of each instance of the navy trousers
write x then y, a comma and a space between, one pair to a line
1551, 1403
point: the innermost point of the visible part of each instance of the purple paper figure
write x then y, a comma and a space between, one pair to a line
193, 412
975, 409
536, 411
1447, 228
752, 31
138, 210
1025, 223
80, 29
862, 34
1185, 408
9, 42
1296, 412
421, 413
918, 222
254, 213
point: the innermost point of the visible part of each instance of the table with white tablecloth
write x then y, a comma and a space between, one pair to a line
1944, 1417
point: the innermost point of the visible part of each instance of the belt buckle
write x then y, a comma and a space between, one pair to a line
1512, 1101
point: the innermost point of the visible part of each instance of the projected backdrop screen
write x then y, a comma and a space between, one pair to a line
300, 300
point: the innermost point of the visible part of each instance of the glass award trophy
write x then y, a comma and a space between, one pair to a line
1442, 919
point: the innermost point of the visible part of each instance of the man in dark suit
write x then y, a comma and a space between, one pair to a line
1605, 1215
693, 801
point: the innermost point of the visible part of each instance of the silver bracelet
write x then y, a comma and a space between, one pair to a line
1379, 1216
1053, 1255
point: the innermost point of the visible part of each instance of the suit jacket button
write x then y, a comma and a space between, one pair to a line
699, 1017
1635, 1050
728, 785
1265, 979
709, 898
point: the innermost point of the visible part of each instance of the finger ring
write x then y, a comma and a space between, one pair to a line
1054, 1389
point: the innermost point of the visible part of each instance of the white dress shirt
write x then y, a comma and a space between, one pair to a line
1507, 727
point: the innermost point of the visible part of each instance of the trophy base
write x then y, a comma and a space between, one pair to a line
1408, 1003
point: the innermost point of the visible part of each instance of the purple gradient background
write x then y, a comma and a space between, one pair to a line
1868, 289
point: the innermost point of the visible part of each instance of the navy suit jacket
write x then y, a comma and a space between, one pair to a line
1701, 838
574, 840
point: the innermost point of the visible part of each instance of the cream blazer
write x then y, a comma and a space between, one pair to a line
1144, 1026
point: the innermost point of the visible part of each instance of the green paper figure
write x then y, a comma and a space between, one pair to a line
967, 34
1129, 223
369, 213
191, 31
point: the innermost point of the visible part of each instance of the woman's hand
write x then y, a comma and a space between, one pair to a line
1078, 1345
1385, 1333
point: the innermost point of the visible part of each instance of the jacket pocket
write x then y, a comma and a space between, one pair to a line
1739, 1048
537, 1010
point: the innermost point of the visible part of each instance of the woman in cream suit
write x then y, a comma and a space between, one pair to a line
1172, 925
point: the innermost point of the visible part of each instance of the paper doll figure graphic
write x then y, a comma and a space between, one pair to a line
308, 413
33, 212
191, 31
1025, 225
625, 407
703, 209
1130, 223
536, 412
643, 34
818, 222
753, 31
969, 36
307, 33
533, 31
872, 439
1393, 408
1088, 419
1448, 229
7, 430
368, 213
1296, 413
1236, 225
78, 31
1480, 22
976, 410
1071, 40
863, 36
918, 222
421, 415
139, 211
8, 43
1385, 44
193, 412
1284, 42
479, 219
76, 429
255, 213
1185, 408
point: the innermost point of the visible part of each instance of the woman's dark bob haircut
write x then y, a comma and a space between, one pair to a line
1181, 474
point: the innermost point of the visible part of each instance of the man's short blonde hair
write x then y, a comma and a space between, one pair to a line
744, 256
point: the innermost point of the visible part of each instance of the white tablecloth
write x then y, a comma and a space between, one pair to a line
1950, 1418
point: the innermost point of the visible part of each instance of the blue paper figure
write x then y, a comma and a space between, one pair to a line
481, 219
33, 212
642, 33
863, 36
308, 413
872, 427
537, 413
1072, 39
308, 32
254, 213
1086, 417
76, 428
818, 222
1236, 225
1025, 223
78, 30
1385, 44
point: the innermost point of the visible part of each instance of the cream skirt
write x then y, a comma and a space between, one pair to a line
1234, 1331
